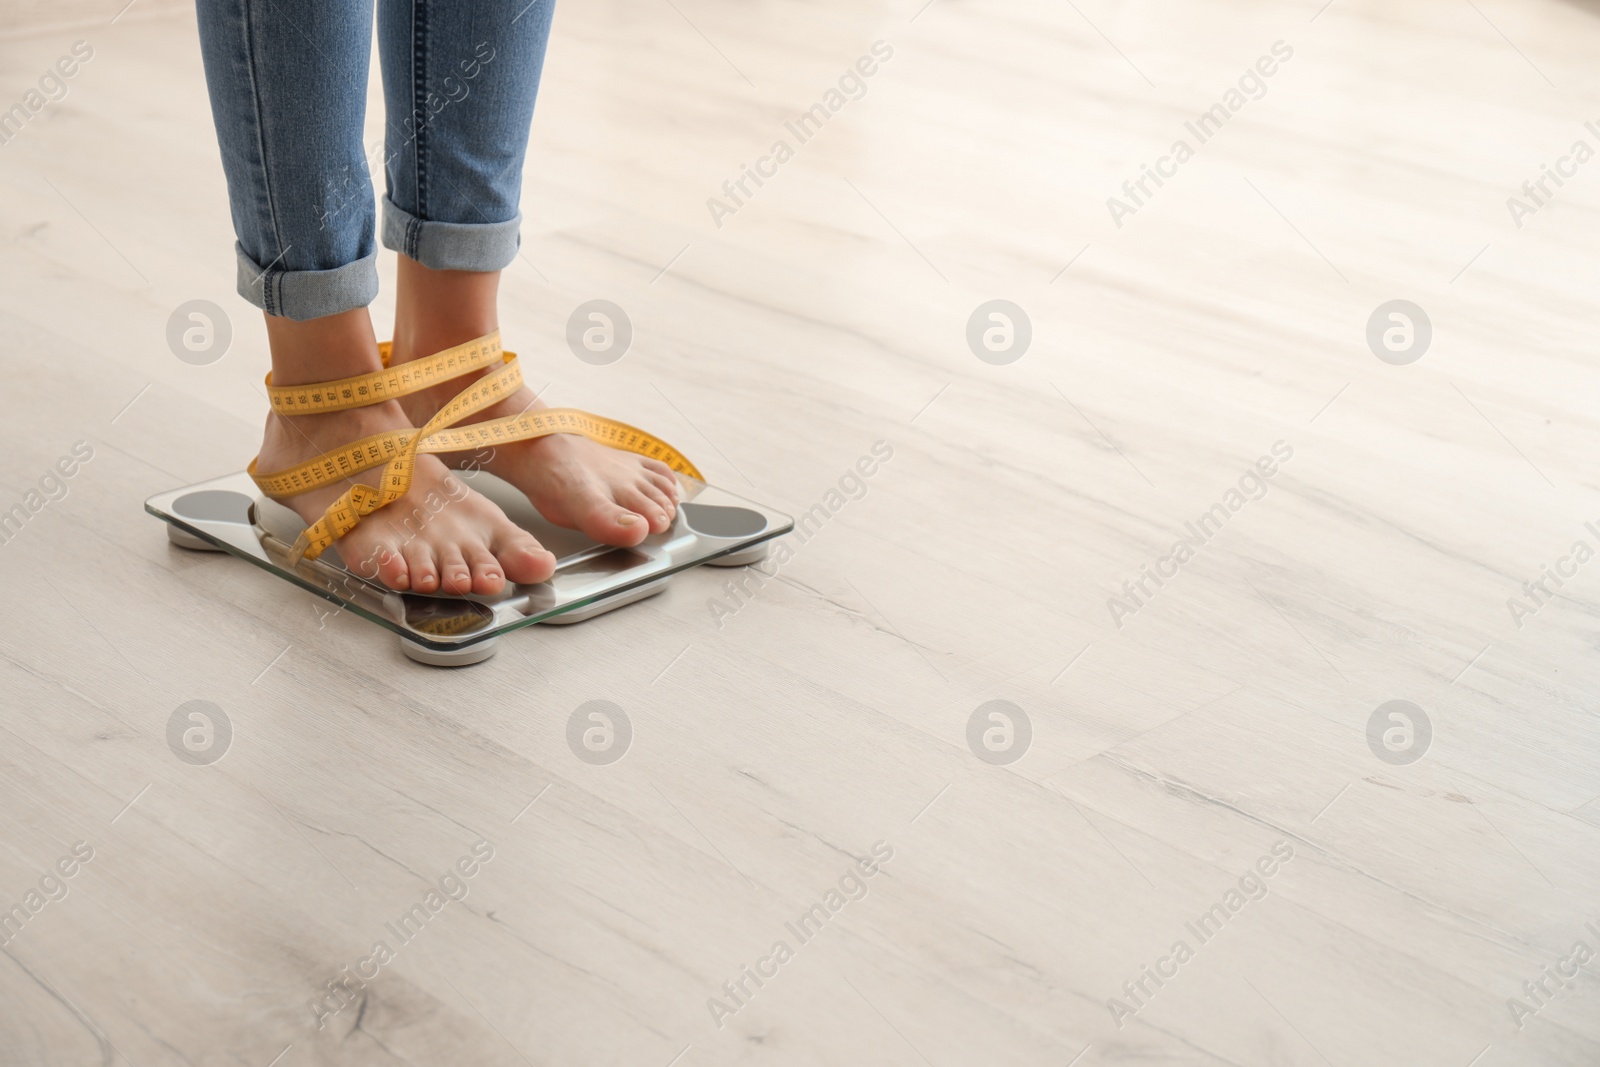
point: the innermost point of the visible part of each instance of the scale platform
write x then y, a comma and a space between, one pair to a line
712, 526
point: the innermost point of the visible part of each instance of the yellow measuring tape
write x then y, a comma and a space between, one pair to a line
398, 449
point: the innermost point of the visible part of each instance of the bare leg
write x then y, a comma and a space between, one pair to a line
438, 309
320, 350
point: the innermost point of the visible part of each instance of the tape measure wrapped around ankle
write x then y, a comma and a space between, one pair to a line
397, 450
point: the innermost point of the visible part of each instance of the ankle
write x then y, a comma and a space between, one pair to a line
418, 334
332, 429
416, 341
438, 309
324, 349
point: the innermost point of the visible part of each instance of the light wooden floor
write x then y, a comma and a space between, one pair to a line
1227, 715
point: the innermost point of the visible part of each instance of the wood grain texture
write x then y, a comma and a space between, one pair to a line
84, 18
830, 711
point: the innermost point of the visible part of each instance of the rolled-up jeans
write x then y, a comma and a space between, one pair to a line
288, 84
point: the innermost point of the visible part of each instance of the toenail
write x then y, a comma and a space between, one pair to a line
626, 519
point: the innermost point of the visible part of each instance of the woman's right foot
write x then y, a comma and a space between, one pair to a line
441, 537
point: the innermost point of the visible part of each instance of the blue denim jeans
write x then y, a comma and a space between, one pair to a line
288, 84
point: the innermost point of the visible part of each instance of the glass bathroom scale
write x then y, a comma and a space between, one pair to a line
712, 526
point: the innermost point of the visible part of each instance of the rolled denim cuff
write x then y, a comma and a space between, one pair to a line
308, 294
481, 246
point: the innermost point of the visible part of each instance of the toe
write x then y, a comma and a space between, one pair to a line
616, 525
647, 504
667, 484
666, 500
380, 563
610, 522
487, 576
392, 570
526, 562
454, 576
420, 563
639, 502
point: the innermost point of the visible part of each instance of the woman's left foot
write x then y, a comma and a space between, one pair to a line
614, 497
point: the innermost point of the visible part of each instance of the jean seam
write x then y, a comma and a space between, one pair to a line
419, 82
261, 144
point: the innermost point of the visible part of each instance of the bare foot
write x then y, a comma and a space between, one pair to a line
440, 537
615, 497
